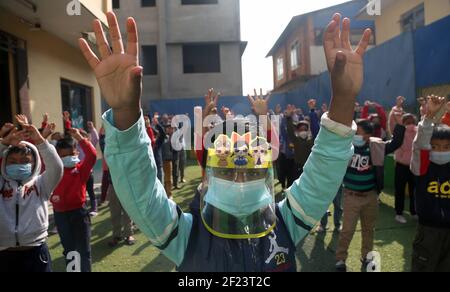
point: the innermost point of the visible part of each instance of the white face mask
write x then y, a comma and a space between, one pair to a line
359, 141
302, 134
238, 199
440, 158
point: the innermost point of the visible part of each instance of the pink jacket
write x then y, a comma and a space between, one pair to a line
403, 154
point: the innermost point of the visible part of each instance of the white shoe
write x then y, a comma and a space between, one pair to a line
93, 214
341, 266
320, 229
401, 219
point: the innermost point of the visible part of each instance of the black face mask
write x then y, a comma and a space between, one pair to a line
377, 126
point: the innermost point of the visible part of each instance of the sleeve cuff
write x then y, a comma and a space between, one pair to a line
427, 122
338, 128
124, 141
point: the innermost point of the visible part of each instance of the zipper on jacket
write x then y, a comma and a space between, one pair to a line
16, 230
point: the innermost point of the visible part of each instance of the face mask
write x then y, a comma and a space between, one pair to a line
70, 161
359, 141
238, 199
19, 172
302, 135
440, 158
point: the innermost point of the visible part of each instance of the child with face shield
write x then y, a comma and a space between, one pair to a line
431, 164
24, 195
238, 227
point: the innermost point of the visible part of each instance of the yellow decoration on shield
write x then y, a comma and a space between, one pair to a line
240, 152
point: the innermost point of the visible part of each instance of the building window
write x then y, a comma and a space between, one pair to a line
116, 4
413, 19
148, 3
295, 55
198, 2
77, 100
150, 60
201, 58
280, 68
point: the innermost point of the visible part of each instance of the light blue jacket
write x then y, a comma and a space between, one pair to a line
133, 169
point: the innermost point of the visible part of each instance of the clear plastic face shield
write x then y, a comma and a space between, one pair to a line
237, 199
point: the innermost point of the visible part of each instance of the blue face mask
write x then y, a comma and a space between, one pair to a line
19, 172
440, 158
238, 199
70, 161
358, 141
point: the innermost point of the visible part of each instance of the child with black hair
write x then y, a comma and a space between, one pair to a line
24, 194
363, 183
431, 165
69, 198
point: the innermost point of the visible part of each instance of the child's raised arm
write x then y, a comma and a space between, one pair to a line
128, 152
53, 165
309, 197
421, 147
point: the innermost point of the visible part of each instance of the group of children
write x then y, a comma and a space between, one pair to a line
419, 164
170, 162
358, 198
35, 173
41, 166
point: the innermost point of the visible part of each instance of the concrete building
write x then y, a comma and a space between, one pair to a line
187, 46
41, 67
298, 53
398, 16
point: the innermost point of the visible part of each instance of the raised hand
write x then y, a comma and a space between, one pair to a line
259, 103
33, 134
211, 100
6, 129
345, 66
118, 72
75, 133
45, 118
48, 130
227, 113
435, 105
66, 115
22, 120
15, 138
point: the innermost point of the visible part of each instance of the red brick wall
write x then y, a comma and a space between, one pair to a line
304, 34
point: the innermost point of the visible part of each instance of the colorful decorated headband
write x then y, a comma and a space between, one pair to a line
240, 152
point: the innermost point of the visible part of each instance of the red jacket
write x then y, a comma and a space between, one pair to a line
381, 114
446, 119
70, 194
151, 135
67, 124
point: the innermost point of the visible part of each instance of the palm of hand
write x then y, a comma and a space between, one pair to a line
260, 107
351, 80
113, 75
434, 105
344, 63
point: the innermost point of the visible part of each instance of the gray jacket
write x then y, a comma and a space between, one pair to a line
24, 206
